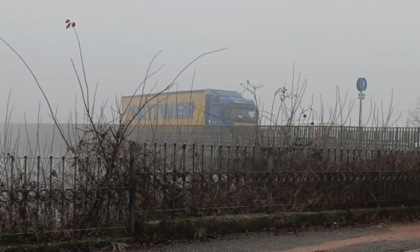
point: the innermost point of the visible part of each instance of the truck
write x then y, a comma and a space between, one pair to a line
206, 107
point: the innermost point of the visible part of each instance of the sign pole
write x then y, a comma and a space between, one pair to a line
361, 87
360, 108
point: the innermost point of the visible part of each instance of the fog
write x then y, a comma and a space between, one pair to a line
330, 43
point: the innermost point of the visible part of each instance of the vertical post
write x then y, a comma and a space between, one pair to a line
335, 154
220, 159
202, 175
155, 167
76, 161
182, 163
253, 157
347, 157
38, 165
133, 188
63, 163
236, 158
360, 109
202, 158
165, 177
228, 158
97, 182
193, 159
87, 180
360, 121
270, 179
25, 188
183, 176
211, 160
175, 178
12, 159
361, 85
417, 143
51, 190
164, 159
245, 159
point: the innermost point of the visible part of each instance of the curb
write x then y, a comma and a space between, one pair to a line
201, 227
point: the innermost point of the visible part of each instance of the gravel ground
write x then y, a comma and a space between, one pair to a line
374, 238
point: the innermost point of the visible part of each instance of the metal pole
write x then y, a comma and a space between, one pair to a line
133, 188
360, 110
270, 179
361, 97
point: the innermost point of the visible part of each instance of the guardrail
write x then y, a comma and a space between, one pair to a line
321, 136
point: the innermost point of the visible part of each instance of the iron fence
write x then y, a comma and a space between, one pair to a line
59, 198
207, 179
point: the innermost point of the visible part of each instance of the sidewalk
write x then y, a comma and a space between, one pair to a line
396, 237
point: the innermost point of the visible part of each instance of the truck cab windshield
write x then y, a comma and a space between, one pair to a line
241, 115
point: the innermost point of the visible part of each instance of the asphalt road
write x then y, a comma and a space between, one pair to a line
395, 237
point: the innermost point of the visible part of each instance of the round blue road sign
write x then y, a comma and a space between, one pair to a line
361, 84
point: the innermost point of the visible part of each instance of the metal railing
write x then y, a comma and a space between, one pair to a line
207, 179
321, 136
58, 198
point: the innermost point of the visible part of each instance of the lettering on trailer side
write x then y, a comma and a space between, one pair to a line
181, 110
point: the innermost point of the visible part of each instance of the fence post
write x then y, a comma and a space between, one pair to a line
416, 145
270, 179
378, 159
133, 188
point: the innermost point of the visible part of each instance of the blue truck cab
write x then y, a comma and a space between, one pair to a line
229, 108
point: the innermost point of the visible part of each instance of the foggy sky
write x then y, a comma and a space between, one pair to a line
331, 43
